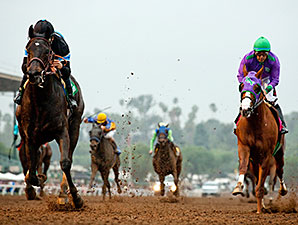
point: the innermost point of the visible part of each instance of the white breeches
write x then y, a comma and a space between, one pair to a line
110, 134
270, 97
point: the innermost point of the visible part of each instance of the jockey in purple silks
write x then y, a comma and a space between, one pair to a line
254, 60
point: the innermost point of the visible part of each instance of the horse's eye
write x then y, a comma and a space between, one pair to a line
257, 88
241, 85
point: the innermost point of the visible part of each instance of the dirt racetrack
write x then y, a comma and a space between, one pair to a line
146, 210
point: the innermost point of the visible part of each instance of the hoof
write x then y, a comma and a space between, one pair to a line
176, 193
91, 190
30, 193
238, 190
119, 191
33, 180
283, 192
62, 199
42, 178
78, 201
42, 193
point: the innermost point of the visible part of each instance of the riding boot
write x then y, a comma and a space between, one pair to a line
284, 129
18, 98
70, 98
175, 149
115, 147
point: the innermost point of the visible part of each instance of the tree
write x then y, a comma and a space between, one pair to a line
189, 127
213, 107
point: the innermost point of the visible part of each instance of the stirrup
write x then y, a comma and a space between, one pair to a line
284, 130
118, 151
72, 103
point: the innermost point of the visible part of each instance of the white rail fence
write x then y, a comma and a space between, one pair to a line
10, 189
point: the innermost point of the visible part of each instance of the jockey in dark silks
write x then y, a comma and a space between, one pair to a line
254, 60
163, 128
45, 29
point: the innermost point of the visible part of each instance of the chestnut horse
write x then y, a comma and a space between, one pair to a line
103, 158
44, 159
258, 135
166, 161
43, 116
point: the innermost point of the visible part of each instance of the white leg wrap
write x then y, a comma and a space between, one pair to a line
241, 178
282, 184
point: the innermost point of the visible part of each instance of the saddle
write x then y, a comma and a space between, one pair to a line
279, 125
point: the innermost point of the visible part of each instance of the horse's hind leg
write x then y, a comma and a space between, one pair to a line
271, 180
46, 165
116, 172
246, 186
279, 157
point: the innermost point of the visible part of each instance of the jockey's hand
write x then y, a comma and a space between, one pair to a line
85, 120
150, 152
268, 89
57, 64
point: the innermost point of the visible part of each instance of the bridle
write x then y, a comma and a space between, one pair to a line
96, 138
255, 105
46, 65
51, 54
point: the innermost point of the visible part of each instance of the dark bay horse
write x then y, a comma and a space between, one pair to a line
165, 162
258, 135
43, 116
103, 158
44, 159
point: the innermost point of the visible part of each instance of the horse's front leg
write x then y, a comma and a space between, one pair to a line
175, 189
32, 159
162, 185
106, 184
243, 153
94, 169
263, 172
65, 163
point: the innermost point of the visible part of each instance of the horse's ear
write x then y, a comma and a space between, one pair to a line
167, 125
259, 73
30, 32
158, 125
244, 71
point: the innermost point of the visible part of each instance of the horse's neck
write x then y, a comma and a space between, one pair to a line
259, 114
165, 151
103, 146
46, 92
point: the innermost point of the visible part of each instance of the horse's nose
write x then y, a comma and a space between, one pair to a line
93, 146
246, 113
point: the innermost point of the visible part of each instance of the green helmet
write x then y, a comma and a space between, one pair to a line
262, 44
